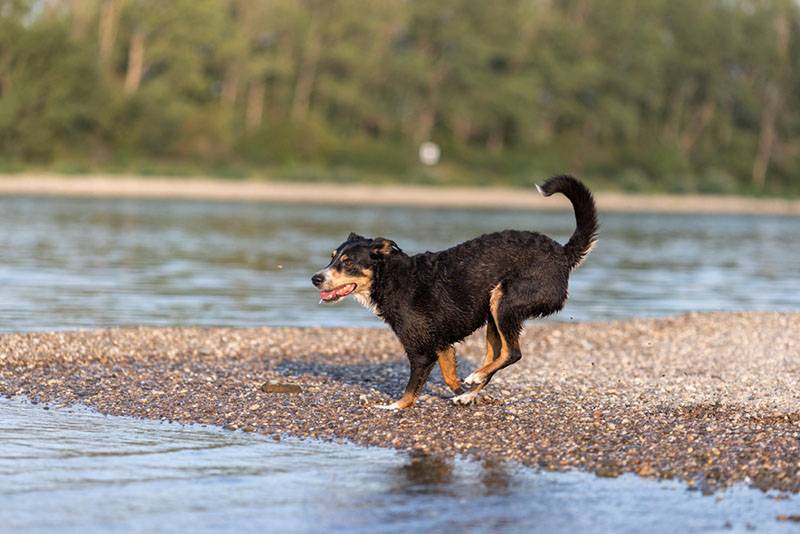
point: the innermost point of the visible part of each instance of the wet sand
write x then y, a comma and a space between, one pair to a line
105, 186
708, 398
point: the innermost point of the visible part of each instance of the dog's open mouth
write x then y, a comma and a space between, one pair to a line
332, 295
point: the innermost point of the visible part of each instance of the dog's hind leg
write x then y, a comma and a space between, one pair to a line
493, 352
447, 364
510, 304
421, 367
481, 378
493, 344
507, 327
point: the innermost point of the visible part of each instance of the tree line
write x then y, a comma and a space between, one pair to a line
670, 95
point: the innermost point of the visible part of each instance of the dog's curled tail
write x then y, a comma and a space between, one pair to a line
585, 236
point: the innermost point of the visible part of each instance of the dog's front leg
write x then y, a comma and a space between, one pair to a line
421, 366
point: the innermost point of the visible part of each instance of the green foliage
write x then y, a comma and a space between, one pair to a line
51, 102
655, 95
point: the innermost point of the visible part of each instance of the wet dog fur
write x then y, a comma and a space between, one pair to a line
436, 299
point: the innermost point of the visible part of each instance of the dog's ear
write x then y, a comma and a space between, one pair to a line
355, 237
382, 248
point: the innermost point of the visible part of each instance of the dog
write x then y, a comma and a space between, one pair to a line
436, 299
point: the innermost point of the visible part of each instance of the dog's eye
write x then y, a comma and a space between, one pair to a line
347, 261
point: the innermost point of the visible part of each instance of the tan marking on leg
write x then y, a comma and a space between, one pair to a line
492, 342
499, 363
448, 365
479, 377
494, 304
409, 398
406, 401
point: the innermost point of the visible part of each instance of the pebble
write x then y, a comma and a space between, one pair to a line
275, 387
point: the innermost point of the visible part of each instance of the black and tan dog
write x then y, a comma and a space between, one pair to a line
436, 299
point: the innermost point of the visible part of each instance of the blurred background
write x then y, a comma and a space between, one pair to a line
655, 95
676, 96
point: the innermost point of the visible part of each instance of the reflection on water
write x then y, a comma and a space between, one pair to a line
67, 263
425, 474
76, 471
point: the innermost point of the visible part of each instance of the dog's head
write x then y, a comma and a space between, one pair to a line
352, 267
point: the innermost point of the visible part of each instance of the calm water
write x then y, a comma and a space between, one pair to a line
67, 263
71, 263
71, 470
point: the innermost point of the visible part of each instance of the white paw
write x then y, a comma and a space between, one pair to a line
465, 398
474, 379
392, 406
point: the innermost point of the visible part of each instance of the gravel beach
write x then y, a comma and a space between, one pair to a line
708, 398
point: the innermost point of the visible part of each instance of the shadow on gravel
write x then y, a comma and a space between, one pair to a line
389, 378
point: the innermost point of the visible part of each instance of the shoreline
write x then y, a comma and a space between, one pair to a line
710, 399
326, 193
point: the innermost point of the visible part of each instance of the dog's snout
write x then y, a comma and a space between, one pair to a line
317, 279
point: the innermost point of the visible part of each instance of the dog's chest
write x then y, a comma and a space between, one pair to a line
367, 302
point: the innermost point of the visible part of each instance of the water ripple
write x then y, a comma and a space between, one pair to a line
165, 477
85, 263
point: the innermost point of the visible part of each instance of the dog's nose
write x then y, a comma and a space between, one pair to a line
317, 279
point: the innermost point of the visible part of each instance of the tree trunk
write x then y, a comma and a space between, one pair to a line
462, 129
766, 138
307, 75
255, 105
773, 103
82, 12
582, 12
704, 116
282, 84
426, 119
495, 142
424, 127
133, 78
5, 77
674, 113
230, 87
109, 13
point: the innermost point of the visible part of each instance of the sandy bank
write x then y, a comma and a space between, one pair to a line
349, 194
710, 398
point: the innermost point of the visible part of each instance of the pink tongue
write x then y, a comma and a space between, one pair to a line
326, 295
338, 292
